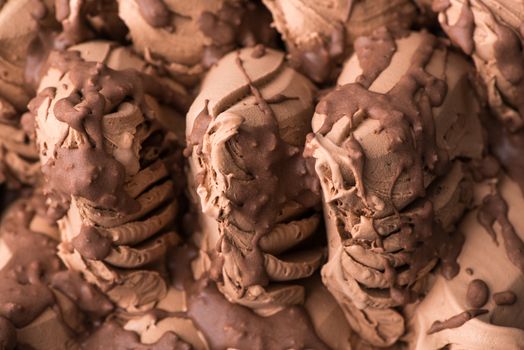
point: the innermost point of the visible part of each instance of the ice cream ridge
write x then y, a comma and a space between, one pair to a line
258, 196
492, 33
98, 128
40, 26
392, 144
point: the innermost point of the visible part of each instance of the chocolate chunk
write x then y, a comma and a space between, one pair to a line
477, 294
455, 321
505, 298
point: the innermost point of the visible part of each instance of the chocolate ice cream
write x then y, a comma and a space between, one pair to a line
18, 155
187, 37
98, 126
491, 271
390, 145
492, 32
191, 174
19, 25
42, 305
195, 314
319, 34
257, 194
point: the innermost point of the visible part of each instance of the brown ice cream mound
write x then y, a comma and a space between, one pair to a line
245, 134
391, 164
195, 313
99, 119
319, 34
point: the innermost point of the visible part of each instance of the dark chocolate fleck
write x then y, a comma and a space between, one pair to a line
455, 321
505, 298
477, 294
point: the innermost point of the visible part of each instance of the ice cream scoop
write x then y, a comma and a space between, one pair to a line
319, 34
256, 193
98, 126
42, 305
491, 31
186, 38
440, 320
389, 144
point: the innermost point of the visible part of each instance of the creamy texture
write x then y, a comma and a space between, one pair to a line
394, 155
194, 314
507, 147
187, 37
99, 135
499, 328
42, 305
388, 145
491, 32
257, 194
200, 315
319, 34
